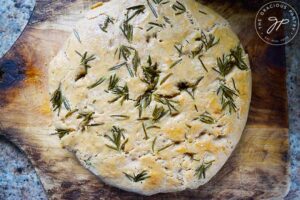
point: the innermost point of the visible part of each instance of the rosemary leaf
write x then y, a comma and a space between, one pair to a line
138, 177
107, 21
171, 104
77, 35
86, 119
117, 138
113, 82
136, 61
120, 116
234, 85
204, 13
124, 51
206, 118
71, 112
138, 9
158, 113
201, 171
85, 59
237, 54
122, 93
153, 127
127, 30
153, 144
179, 8
145, 132
202, 64
166, 78
175, 63
97, 83
118, 66
165, 147
227, 97
58, 100
152, 9
179, 49
63, 132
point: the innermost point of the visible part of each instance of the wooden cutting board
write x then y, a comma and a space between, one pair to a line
258, 168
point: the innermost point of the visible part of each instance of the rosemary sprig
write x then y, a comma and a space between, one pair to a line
143, 101
86, 119
58, 100
145, 131
63, 132
209, 41
175, 63
228, 62
171, 104
206, 118
116, 139
138, 177
227, 97
113, 82
237, 54
138, 9
201, 171
158, 113
85, 59
225, 65
125, 52
97, 83
151, 73
127, 30
151, 78
122, 93
152, 9
190, 88
179, 8
107, 21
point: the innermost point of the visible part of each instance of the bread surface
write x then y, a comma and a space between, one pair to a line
140, 96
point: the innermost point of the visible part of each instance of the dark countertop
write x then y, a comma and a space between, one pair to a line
18, 179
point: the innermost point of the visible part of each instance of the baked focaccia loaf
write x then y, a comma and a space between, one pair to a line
151, 95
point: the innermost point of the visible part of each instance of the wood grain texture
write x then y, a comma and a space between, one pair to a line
258, 168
